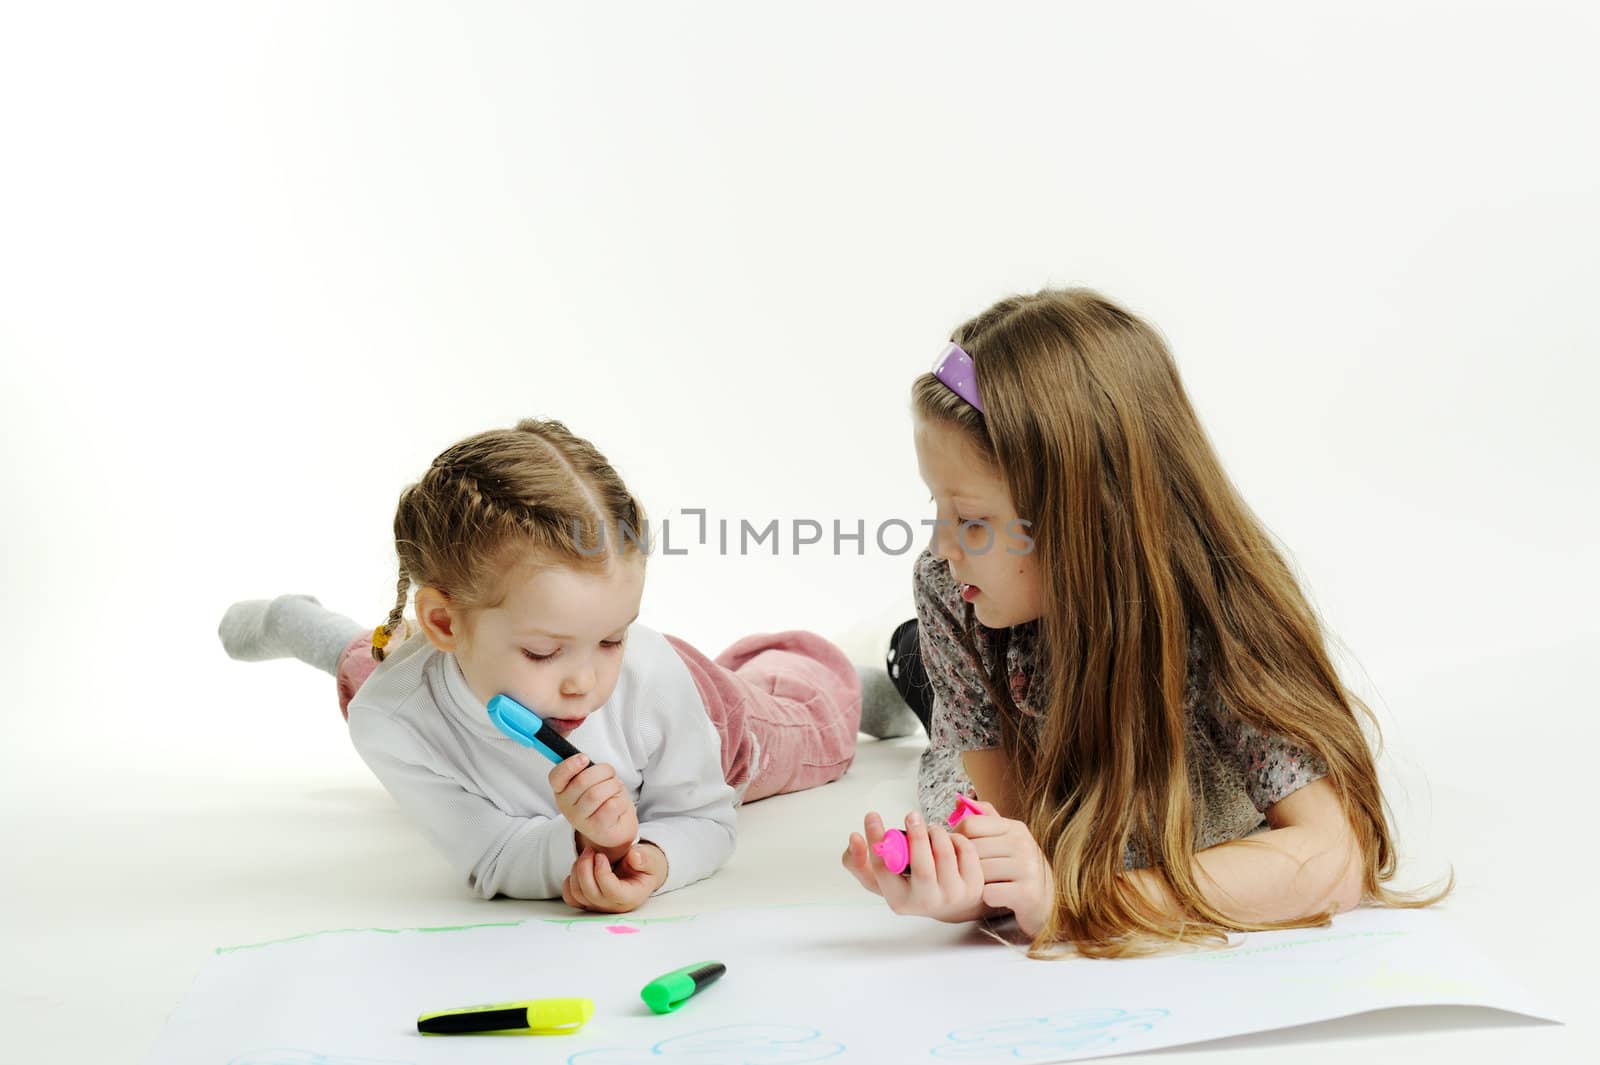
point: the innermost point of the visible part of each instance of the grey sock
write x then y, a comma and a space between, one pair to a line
290, 626
883, 713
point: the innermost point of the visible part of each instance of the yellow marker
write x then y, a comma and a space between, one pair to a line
544, 1016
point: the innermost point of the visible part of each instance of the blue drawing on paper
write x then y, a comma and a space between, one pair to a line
735, 1044
1045, 1038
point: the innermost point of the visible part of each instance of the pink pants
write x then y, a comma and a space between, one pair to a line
786, 704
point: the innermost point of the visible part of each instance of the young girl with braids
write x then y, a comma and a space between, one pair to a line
527, 554
1112, 654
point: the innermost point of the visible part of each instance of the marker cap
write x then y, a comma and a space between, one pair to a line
528, 728
893, 850
667, 992
964, 807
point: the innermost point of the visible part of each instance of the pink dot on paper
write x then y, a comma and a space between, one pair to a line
621, 929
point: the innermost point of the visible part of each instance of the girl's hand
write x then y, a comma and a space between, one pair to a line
857, 859
594, 885
594, 801
946, 881
1016, 876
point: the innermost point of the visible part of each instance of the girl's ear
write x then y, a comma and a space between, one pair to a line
439, 620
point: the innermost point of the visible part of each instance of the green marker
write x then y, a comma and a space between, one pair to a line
666, 993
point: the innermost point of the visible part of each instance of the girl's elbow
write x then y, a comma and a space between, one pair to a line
1349, 893
1350, 887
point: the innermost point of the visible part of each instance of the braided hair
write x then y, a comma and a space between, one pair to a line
536, 487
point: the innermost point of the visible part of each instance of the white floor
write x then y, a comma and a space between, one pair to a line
115, 902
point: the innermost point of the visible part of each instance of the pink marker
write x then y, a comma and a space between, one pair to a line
964, 806
896, 853
893, 850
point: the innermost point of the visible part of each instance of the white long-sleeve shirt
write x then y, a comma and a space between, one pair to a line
485, 800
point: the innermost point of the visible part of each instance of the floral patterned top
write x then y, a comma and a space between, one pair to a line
1236, 771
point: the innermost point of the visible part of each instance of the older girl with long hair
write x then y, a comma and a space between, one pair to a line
1113, 654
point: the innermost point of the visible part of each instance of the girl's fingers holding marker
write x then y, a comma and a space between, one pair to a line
608, 811
857, 860
591, 778
1028, 899
562, 774
1002, 895
943, 853
853, 849
968, 865
609, 814
954, 871
918, 848
895, 891
855, 853
986, 827
596, 796
1001, 869
875, 876
993, 846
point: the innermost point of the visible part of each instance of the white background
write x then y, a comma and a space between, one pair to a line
258, 264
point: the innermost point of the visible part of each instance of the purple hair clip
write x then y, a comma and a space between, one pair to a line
954, 367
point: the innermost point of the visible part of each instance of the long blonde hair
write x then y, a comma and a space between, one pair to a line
1141, 539
536, 489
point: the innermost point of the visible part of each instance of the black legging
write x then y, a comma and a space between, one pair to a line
904, 663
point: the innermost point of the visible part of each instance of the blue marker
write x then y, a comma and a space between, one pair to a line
529, 729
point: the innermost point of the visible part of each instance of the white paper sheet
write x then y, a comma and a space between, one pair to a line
804, 984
